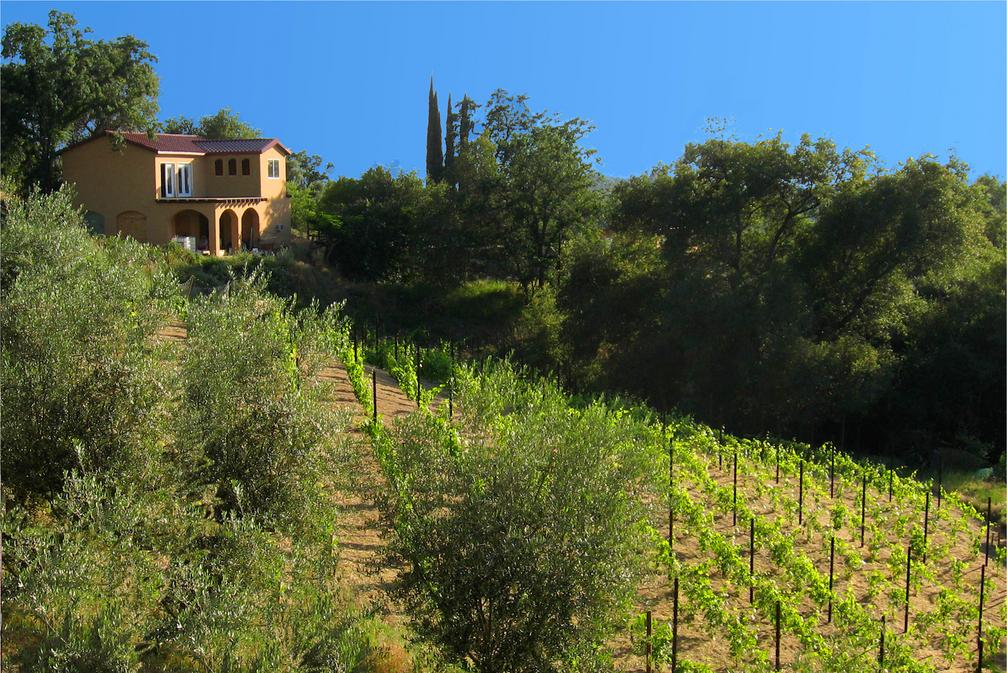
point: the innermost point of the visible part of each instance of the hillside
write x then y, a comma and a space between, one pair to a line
202, 483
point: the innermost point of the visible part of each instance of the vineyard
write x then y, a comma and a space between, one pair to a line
853, 565
224, 482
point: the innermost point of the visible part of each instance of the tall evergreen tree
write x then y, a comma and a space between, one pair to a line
435, 155
466, 121
450, 132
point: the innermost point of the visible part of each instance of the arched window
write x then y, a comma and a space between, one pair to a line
246, 167
218, 167
232, 166
132, 224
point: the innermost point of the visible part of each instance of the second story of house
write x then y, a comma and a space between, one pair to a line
141, 170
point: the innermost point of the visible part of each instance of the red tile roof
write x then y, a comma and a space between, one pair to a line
175, 142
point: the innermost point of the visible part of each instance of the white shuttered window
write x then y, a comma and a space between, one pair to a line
185, 180
167, 180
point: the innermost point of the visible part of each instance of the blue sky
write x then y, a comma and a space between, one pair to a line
349, 81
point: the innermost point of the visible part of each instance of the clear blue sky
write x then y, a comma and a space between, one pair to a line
349, 81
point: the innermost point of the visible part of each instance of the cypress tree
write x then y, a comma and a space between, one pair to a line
435, 156
465, 122
450, 131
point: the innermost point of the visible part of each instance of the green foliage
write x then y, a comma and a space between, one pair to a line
250, 410
226, 125
382, 226
86, 596
176, 520
520, 542
221, 125
435, 153
81, 388
546, 180
306, 171
792, 287
60, 87
517, 193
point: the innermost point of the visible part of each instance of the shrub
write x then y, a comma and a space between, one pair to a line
80, 594
252, 422
121, 579
77, 315
520, 547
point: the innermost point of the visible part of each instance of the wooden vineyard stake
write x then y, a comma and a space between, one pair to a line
374, 393
674, 626
734, 516
451, 399
989, 518
778, 636
979, 644
649, 646
356, 355
396, 346
800, 495
777, 463
926, 525
891, 479
832, 559
909, 563
751, 563
863, 507
881, 649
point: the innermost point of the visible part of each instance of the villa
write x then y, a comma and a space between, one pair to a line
213, 196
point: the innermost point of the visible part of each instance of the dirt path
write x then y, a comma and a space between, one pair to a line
360, 530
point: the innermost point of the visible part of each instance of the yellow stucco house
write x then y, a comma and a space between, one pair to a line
214, 196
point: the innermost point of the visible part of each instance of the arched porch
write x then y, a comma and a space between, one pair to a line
249, 229
193, 224
229, 235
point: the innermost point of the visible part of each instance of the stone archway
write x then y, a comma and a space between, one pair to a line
249, 229
131, 224
228, 231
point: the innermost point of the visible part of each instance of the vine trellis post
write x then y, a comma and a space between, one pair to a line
979, 644
926, 526
674, 626
832, 560
374, 393
800, 495
909, 563
734, 515
778, 636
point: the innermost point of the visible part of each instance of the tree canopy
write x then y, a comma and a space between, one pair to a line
224, 124
59, 87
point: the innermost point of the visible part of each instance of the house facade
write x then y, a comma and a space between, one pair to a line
214, 196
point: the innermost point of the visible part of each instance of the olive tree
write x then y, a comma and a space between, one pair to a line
519, 548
